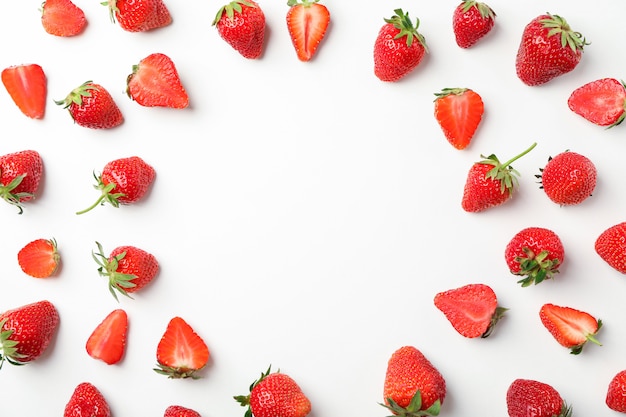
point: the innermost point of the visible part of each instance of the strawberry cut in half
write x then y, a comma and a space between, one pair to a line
181, 352
602, 102
27, 86
39, 258
62, 18
108, 340
307, 21
570, 327
459, 111
155, 82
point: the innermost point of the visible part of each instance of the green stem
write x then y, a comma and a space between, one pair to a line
510, 161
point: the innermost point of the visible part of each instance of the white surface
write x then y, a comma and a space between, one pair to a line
305, 214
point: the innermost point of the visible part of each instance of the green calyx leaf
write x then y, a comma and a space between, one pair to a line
8, 347
414, 409
176, 373
77, 94
106, 195
402, 22
504, 172
497, 315
244, 400
7, 194
118, 282
557, 25
230, 9
485, 11
305, 3
536, 267
449, 92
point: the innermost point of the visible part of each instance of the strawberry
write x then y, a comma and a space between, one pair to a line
527, 397
471, 309
128, 268
181, 352
123, 181
275, 395
92, 106
535, 254
28, 87
399, 47
87, 400
568, 178
549, 48
180, 411
602, 102
241, 23
611, 247
471, 21
458, 112
39, 258
490, 183
307, 21
20, 175
139, 15
26, 332
570, 327
413, 386
62, 18
616, 392
155, 82
108, 340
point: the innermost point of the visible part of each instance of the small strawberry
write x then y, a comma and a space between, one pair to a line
413, 386
39, 258
471, 21
568, 178
87, 400
180, 411
181, 352
526, 397
535, 254
139, 15
108, 340
471, 309
570, 327
92, 106
490, 183
549, 48
458, 112
128, 268
20, 175
241, 23
62, 18
155, 82
26, 332
307, 21
123, 181
28, 87
399, 47
616, 392
611, 247
275, 395
602, 102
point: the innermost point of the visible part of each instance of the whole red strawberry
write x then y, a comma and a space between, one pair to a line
155, 82
602, 102
490, 183
549, 48
87, 401
241, 23
123, 181
535, 254
20, 175
611, 246
139, 15
275, 395
568, 178
526, 397
616, 392
413, 386
26, 332
92, 106
180, 411
399, 47
471, 21
128, 268
570, 327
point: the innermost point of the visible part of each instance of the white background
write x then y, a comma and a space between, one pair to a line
305, 214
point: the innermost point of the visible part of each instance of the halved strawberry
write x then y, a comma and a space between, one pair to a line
602, 102
62, 18
27, 86
108, 340
155, 82
307, 21
570, 327
181, 352
39, 258
459, 112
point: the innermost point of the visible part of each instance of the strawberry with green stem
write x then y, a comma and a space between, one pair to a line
181, 352
90, 105
611, 246
241, 23
20, 175
570, 327
534, 254
527, 397
39, 258
307, 21
471, 21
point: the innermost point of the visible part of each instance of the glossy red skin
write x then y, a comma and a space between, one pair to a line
524, 395
569, 178
481, 193
132, 177
96, 111
108, 340
536, 239
469, 27
616, 392
611, 246
278, 394
469, 309
180, 411
245, 32
393, 58
141, 15
27, 162
87, 400
136, 262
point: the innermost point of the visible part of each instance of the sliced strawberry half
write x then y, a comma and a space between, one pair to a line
602, 102
62, 18
181, 352
307, 21
108, 340
155, 82
27, 86
459, 111
570, 327
39, 258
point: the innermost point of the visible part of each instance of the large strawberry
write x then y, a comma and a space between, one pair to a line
568, 178
602, 102
28, 87
611, 246
275, 395
20, 175
62, 18
471, 21
139, 15
155, 82
123, 181
616, 392
26, 332
39, 258
527, 397
128, 268
534, 254
307, 21
490, 183
399, 47
107, 342
180, 411
181, 352
570, 327
241, 23
413, 386
92, 106
459, 111
87, 401
549, 48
